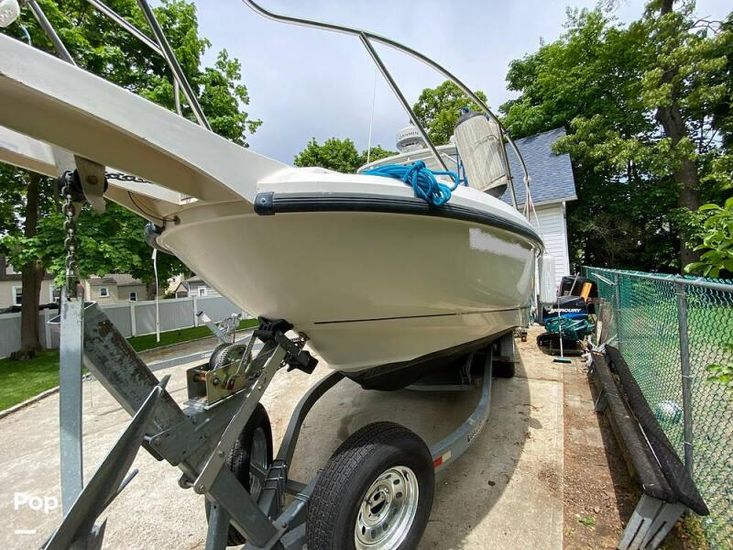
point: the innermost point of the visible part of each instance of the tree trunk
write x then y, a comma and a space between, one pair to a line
686, 175
32, 277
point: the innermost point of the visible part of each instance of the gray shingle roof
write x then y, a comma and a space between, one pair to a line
552, 175
120, 279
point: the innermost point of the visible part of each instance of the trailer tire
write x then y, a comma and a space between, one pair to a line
256, 437
375, 491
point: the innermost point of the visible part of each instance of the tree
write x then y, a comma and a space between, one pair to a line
639, 104
338, 154
717, 241
31, 229
438, 109
375, 153
26, 200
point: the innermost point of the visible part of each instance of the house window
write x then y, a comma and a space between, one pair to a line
202, 291
17, 295
54, 294
133, 296
103, 292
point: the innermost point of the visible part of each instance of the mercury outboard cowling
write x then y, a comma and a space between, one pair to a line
481, 148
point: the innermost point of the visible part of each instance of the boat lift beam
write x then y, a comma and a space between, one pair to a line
195, 438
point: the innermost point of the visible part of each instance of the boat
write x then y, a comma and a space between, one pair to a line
380, 282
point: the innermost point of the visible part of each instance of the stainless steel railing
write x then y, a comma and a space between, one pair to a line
159, 45
367, 38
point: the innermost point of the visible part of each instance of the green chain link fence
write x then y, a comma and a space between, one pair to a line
666, 327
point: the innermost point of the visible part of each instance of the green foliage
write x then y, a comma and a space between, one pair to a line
717, 241
376, 153
113, 242
338, 154
108, 243
606, 83
588, 521
438, 109
335, 154
722, 374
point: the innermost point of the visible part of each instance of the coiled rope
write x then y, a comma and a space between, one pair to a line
422, 180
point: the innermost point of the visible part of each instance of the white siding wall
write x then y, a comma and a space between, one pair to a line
554, 232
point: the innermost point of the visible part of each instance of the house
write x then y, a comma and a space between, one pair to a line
552, 186
195, 286
115, 287
11, 287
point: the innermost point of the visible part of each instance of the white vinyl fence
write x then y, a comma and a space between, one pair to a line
130, 318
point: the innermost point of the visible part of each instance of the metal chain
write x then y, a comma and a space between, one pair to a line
70, 227
69, 211
119, 176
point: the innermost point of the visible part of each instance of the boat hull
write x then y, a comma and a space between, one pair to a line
368, 289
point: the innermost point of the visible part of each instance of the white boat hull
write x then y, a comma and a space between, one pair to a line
368, 289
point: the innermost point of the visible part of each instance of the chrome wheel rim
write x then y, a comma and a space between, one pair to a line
387, 510
258, 463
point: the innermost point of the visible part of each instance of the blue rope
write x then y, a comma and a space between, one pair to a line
421, 179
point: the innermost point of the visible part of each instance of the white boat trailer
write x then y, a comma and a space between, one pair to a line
223, 398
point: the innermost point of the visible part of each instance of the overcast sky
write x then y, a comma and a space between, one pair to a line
307, 83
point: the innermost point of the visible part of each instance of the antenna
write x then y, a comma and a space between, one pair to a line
371, 118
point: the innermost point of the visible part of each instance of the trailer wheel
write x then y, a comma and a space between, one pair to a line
249, 460
375, 492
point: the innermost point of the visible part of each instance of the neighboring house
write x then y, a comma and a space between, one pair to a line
115, 287
552, 186
11, 287
195, 286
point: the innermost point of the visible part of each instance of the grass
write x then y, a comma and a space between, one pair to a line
146, 342
21, 380
588, 521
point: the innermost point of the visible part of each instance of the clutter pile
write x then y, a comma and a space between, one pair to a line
567, 320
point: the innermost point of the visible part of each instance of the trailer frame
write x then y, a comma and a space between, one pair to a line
195, 438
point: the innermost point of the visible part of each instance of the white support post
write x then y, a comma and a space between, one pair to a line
650, 523
47, 328
70, 398
133, 323
195, 311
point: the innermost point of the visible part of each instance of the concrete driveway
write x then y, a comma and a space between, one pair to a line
505, 492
